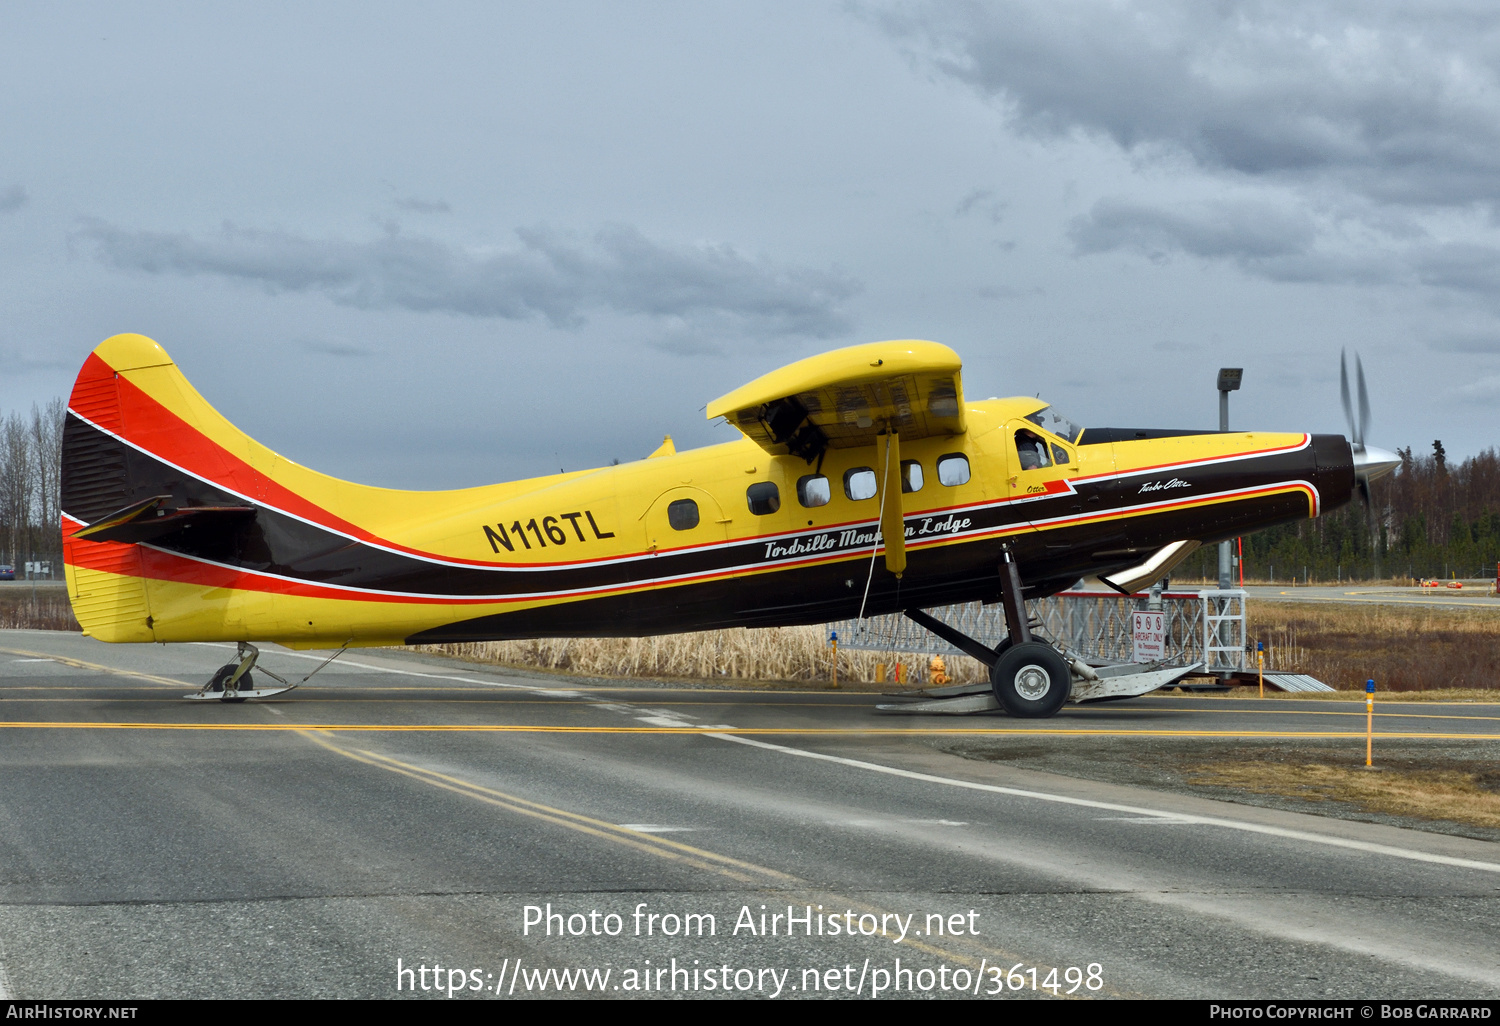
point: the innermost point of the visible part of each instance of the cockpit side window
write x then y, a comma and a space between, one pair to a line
1049, 419
1031, 451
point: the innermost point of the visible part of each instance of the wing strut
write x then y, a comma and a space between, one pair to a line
892, 520
957, 638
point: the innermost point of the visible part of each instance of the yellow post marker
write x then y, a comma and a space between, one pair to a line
1260, 659
833, 639
1369, 723
880, 673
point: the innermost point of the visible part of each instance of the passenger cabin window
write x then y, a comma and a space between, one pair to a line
953, 469
859, 483
1031, 451
682, 514
813, 490
911, 476
764, 498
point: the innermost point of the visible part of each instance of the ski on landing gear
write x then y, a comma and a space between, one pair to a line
233, 683
1029, 678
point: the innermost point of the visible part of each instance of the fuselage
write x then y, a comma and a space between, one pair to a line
727, 535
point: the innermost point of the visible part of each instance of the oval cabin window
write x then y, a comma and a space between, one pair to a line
859, 483
682, 514
953, 469
764, 498
813, 490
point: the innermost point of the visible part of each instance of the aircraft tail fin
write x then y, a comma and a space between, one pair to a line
106, 581
144, 455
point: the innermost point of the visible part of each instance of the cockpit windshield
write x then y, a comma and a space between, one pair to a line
1055, 422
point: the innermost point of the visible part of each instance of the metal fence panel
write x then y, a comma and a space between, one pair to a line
1202, 626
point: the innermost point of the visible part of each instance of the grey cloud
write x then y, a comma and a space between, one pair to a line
981, 201
971, 200
1006, 292
1241, 231
328, 347
13, 198
14, 360
683, 344
1395, 101
1465, 267
1272, 242
550, 274
421, 206
1487, 343
1485, 390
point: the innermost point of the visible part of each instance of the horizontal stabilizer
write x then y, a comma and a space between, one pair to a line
151, 519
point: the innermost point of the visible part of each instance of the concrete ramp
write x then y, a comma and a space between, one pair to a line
1295, 682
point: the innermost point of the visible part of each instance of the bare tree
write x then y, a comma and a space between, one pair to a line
17, 482
46, 455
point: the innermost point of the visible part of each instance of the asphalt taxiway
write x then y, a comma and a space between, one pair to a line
410, 808
1474, 595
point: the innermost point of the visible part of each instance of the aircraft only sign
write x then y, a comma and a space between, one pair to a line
1149, 634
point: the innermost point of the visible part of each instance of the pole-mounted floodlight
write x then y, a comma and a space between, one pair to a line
1229, 381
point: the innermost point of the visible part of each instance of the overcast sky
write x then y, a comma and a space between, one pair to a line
438, 245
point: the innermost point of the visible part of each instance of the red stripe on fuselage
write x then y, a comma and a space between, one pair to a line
153, 427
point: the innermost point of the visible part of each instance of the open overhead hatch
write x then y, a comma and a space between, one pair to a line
849, 397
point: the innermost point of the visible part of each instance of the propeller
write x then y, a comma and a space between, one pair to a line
1370, 463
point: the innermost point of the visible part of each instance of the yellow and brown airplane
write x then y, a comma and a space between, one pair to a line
179, 527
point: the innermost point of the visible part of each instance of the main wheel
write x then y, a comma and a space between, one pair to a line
1031, 680
221, 678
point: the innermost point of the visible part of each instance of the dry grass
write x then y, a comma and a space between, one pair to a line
47, 610
788, 654
1453, 654
1450, 653
1456, 794
1402, 648
785, 654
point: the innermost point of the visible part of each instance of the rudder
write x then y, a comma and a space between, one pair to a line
106, 585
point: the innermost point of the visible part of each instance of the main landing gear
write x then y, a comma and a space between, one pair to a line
232, 682
1030, 679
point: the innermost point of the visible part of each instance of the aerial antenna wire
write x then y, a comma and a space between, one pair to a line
885, 479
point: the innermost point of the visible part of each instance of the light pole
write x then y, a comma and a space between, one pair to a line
1229, 381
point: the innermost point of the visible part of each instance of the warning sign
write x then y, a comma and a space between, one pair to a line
1149, 630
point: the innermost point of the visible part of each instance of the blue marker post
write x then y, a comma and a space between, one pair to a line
1369, 723
833, 639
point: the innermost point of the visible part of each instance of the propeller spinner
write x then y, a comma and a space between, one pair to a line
1370, 463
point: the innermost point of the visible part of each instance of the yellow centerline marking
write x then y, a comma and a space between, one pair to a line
306, 697
519, 728
660, 846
